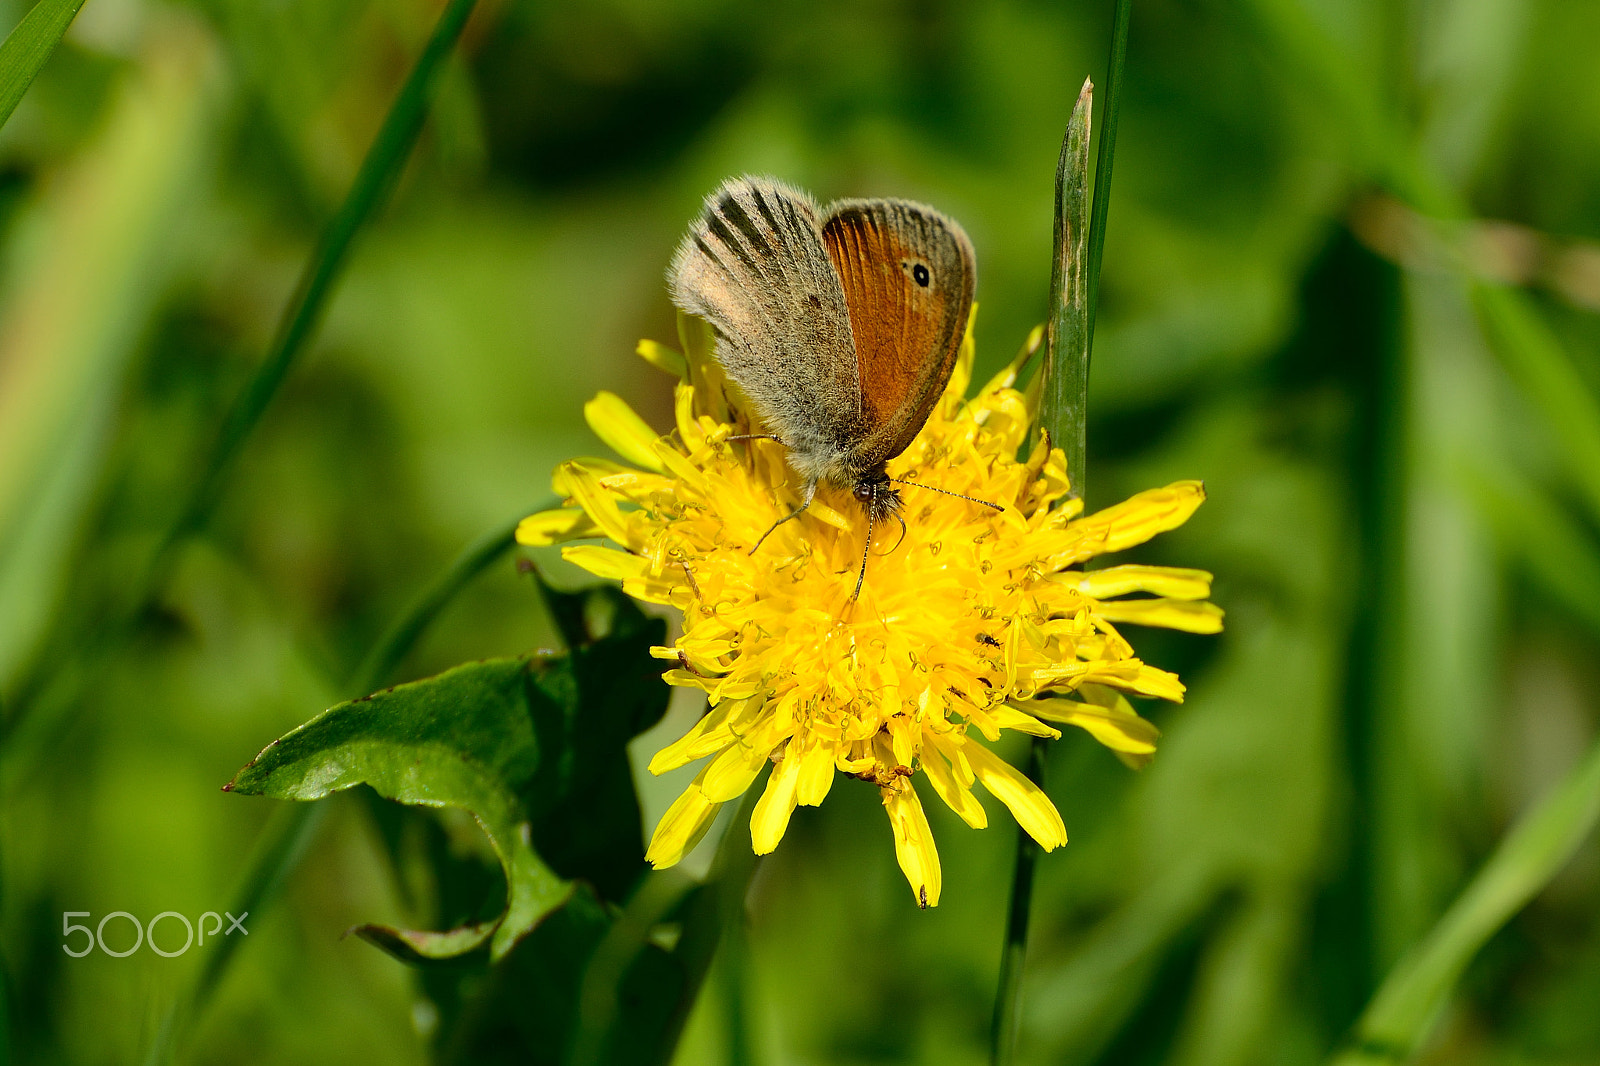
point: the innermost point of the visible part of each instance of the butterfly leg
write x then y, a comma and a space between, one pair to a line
805, 501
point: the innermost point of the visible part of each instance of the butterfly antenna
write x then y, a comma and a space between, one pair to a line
865, 549
811, 490
947, 492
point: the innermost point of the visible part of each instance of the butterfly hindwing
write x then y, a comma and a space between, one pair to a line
754, 265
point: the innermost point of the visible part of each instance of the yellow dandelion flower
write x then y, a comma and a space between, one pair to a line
970, 622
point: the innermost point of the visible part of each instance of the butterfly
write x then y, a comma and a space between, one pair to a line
840, 324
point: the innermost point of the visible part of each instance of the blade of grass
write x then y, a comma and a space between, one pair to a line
1102, 167
401, 637
1517, 334
373, 184
1560, 558
1401, 1015
293, 826
374, 181
1530, 350
1074, 290
29, 46
732, 979
599, 999
84, 292
1063, 411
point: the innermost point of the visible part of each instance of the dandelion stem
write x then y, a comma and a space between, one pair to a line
736, 1014
717, 907
1008, 998
1074, 293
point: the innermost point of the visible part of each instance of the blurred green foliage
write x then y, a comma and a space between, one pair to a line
1402, 517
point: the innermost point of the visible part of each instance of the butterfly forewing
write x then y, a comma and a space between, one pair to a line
754, 266
908, 275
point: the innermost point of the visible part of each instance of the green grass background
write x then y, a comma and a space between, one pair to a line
1403, 516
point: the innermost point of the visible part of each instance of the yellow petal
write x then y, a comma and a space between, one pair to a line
681, 828
637, 485
956, 796
816, 775
823, 513
903, 733
1169, 581
1188, 615
710, 384
1029, 805
853, 765
1118, 727
600, 470
1007, 716
683, 415
731, 772
961, 373
1033, 394
653, 591
706, 737
913, 843
1008, 374
772, 811
606, 562
733, 687
614, 422
1149, 681
663, 358
584, 487
553, 527
1138, 518
697, 338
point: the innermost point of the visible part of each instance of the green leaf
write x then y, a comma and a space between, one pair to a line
463, 739
584, 810
534, 748
28, 46
418, 947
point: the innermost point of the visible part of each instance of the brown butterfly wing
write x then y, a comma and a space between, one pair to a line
753, 265
908, 274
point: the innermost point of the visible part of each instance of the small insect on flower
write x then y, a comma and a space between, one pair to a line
976, 622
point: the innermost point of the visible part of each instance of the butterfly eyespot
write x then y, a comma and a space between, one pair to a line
920, 275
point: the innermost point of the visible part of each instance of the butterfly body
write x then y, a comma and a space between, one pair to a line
840, 324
